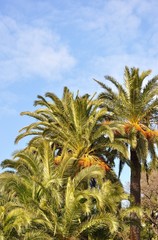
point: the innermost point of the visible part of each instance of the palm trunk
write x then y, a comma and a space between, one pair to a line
135, 192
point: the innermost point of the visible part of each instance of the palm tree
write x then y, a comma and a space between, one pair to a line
74, 126
135, 106
45, 203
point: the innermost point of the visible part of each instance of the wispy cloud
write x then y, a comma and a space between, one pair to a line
114, 65
99, 33
121, 33
30, 51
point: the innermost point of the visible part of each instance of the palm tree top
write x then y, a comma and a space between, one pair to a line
72, 121
136, 100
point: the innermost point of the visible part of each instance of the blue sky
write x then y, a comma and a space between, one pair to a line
48, 44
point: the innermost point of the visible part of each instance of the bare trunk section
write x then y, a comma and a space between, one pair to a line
135, 192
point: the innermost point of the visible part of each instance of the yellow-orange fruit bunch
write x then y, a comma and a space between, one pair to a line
148, 133
87, 161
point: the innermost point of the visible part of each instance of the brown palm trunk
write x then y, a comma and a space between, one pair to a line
135, 192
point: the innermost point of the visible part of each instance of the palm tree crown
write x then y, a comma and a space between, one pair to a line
136, 107
74, 125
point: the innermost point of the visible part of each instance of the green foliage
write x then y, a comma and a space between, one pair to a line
74, 123
43, 204
135, 105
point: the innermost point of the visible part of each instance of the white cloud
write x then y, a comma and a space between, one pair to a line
30, 51
115, 25
114, 65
